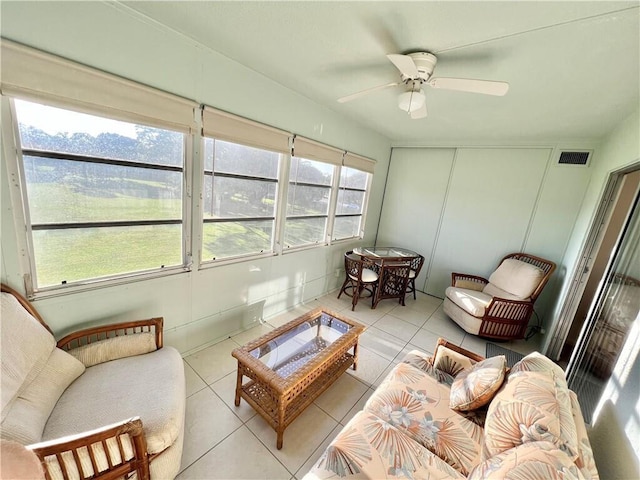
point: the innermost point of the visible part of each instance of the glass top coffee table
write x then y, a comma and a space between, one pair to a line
289, 367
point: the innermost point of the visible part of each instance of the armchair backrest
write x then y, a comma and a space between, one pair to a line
546, 266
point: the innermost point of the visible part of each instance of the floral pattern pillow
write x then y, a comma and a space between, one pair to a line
530, 461
475, 386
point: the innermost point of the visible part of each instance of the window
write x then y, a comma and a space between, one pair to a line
104, 196
351, 203
239, 200
308, 201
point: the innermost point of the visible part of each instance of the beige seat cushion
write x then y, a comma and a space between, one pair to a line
368, 276
468, 322
150, 386
491, 289
517, 277
471, 301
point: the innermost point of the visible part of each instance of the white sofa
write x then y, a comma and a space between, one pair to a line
115, 385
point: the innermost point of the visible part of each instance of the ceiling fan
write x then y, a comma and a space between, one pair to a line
416, 69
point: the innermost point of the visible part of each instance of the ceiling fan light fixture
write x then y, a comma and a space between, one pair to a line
411, 101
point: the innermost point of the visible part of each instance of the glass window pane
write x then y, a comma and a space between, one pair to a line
310, 171
350, 201
352, 178
303, 231
305, 200
234, 197
75, 254
243, 160
54, 129
346, 227
229, 239
63, 191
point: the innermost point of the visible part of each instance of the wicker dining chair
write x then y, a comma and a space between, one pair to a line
360, 276
394, 278
416, 266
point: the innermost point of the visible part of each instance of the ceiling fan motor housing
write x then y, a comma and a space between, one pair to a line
425, 63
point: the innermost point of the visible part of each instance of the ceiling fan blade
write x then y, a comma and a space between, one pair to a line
405, 64
488, 87
420, 113
353, 96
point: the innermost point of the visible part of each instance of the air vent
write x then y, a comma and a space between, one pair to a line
574, 158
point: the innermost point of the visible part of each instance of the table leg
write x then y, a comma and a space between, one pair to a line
238, 386
280, 428
355, 355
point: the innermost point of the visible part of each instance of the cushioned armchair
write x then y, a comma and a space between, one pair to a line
499, 307
100, 403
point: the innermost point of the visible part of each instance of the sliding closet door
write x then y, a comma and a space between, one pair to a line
488, 210
415, 194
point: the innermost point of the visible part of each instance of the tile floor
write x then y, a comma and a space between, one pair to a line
223, 441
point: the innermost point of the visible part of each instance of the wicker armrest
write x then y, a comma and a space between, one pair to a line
96, 334
462, 351
471, 282
110, 452
505, 310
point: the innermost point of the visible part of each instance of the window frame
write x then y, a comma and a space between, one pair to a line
326, 240
22, 220
209, 263
365, 205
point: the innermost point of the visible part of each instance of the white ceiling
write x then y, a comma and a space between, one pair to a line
572, 66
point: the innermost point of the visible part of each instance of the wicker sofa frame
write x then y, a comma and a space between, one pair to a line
94, 443
507, 319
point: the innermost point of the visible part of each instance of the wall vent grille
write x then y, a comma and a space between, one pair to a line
573, 158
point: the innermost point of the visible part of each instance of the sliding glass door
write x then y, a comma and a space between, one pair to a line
607, 345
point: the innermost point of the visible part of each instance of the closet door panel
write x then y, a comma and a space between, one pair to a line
413, 200
488, 210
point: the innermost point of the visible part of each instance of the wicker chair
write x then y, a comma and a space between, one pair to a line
416, 266
101, 403
501, 306
360, 275
394, 278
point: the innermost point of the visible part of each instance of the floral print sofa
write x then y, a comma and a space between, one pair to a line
456, 415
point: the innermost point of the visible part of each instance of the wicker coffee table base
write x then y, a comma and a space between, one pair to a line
280, 408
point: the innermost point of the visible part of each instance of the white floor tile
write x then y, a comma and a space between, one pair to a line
301, 438
208, 421
193, 381
446, 328
225, 388
396, 327
240, 456
214, 362
381, 343
425, 340
475, 344
414, 316
370, 366
338, 399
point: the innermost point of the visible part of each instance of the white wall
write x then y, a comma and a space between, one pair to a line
200, 306
464, 208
